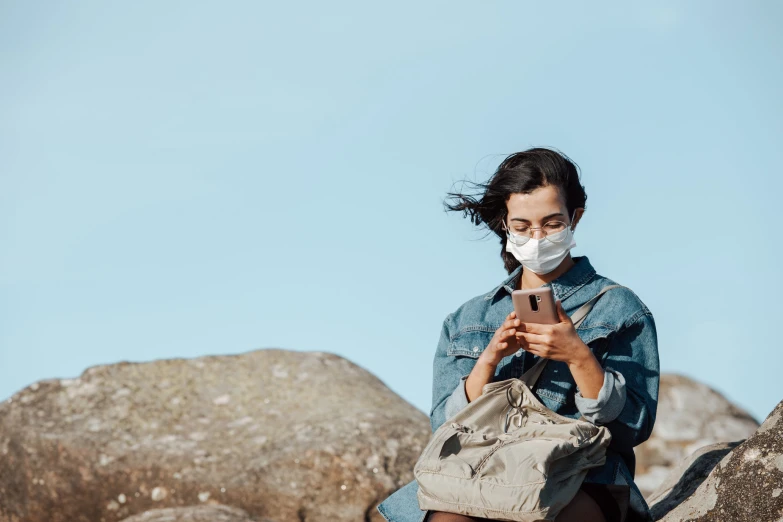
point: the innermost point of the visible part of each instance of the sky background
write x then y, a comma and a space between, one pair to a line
180, 179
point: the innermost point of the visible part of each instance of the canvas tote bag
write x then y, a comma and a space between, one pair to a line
506, 456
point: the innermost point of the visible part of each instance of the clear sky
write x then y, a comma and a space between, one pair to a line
188, 178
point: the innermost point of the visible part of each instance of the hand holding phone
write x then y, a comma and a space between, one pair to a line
548, 331
505, 342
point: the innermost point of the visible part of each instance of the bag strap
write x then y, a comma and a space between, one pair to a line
531, 376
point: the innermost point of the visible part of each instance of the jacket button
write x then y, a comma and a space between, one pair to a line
475, 348
518, 353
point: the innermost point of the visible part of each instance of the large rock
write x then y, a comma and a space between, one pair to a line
683, 480
282, 435
746, 485
192, 514
691, 415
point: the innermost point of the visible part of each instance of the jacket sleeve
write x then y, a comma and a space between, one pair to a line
609, 403
633, 354
448, 371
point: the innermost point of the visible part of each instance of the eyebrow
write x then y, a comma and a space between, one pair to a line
544, 219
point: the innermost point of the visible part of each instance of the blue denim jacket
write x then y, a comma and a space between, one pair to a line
619, 330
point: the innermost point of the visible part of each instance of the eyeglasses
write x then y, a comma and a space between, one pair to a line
554, 231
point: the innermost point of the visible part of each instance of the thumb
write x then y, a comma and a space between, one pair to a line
561, 313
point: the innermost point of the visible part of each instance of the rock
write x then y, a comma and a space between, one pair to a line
683, 480
215, 513
691, 415
746, 485
282, 435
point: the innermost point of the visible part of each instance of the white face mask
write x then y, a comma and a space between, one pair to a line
542, 255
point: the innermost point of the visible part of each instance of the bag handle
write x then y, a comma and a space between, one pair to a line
531, 376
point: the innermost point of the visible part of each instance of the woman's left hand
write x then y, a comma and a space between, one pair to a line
558, 342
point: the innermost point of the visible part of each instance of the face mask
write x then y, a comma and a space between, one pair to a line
542, 255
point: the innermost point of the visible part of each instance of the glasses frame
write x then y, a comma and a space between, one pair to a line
510, 235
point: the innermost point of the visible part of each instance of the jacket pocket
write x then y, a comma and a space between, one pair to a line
470, 341
596, 337
556, 386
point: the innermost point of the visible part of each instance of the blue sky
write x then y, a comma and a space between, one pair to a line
188, 178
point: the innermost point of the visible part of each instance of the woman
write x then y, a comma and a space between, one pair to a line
606, 370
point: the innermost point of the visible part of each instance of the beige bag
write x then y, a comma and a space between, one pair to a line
506, 456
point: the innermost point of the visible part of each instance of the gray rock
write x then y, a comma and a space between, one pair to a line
691, 415
282, 435
746, 485
686, 477
216, 513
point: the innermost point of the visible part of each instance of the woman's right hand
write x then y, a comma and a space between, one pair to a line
504, 342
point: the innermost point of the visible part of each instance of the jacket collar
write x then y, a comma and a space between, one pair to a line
562, 287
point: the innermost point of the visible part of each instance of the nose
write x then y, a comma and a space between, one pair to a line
538, 234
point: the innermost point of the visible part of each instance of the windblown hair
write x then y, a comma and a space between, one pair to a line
521, 172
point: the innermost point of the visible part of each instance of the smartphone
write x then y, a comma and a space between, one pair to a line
535, 305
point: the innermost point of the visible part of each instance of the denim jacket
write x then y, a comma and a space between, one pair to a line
619, 330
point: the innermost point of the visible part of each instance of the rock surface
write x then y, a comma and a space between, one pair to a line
691, 415
683, 480
215, 513
746, 485
282, 435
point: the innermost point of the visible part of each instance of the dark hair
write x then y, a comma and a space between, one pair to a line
521, 172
